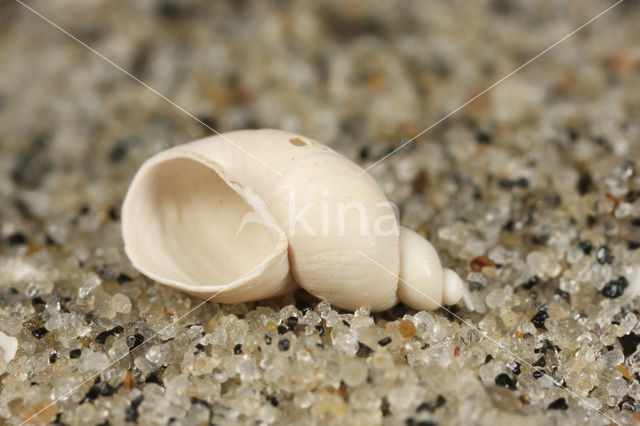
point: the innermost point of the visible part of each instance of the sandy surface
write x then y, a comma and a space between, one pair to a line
531, 193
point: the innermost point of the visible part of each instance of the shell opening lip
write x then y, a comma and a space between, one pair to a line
175, 267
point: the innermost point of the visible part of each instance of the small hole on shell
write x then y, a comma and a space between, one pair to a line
297, 142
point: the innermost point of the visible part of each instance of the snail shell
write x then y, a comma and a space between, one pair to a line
253, 214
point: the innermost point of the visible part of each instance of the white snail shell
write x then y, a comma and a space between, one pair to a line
214, 217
